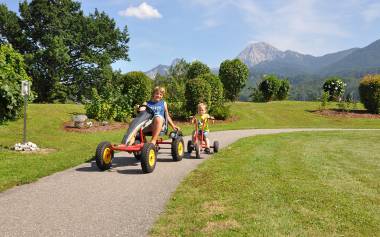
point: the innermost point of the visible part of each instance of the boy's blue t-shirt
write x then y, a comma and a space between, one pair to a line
157, 107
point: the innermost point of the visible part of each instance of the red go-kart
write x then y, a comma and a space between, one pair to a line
198, 142
134, 141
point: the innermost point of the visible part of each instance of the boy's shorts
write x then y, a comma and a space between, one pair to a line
205, 134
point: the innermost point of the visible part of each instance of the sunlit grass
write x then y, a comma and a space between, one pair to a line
303, 184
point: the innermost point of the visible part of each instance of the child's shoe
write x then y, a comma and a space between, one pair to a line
207, 150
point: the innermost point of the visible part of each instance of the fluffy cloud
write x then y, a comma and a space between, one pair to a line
143, 11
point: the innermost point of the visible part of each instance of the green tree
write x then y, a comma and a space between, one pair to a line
216, 86
137, 86
174, 83
64, 48
269, 87
12, 72
197, 90
196, 69
234, 75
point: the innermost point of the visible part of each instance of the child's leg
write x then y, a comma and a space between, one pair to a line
207, 141
156, 128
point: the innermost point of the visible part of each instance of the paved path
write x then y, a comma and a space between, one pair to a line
85, 202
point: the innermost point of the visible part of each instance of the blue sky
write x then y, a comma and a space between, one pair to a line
214, 30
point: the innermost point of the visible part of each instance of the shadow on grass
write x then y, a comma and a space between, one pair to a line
354, 111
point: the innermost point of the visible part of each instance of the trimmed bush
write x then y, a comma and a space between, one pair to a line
369, 90
234, 75
12, 72
196, 69
269, 87
137, 86
221, 112
216, 86
335, 87
197, 90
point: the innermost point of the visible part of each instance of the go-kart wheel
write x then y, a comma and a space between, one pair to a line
190, 146
137, 154
104, 156
216, 146
197, 151
148, 158
178, 148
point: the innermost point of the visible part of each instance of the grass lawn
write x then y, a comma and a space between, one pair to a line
45, 123
45, 128
295, 184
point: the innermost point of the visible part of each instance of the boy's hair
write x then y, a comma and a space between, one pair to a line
160, 89
200, 105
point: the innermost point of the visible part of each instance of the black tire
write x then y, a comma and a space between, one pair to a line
216, 146
137, 154
104, 155
190, 146
148, 158
197, 151
178, 148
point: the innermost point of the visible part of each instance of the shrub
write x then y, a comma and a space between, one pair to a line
197, 90
217, 89
197, 69
335, 87
369, 90
137, 86
100, 108
221, 112
324, 100
283, 90
269, 87
12, 72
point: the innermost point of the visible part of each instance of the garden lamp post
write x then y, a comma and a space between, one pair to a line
25, 90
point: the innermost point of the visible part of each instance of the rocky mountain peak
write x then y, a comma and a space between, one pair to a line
256, 53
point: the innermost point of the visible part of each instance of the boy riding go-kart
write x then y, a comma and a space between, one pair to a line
134, 141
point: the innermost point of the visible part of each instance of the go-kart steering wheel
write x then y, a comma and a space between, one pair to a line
147, 108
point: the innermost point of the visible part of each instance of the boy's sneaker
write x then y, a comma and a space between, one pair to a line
207, 150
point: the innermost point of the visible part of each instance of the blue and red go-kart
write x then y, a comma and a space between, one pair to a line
198, 142
134, 141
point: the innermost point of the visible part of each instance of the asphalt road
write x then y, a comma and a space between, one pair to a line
83, 201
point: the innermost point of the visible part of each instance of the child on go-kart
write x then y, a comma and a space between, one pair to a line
160, 108
202, 118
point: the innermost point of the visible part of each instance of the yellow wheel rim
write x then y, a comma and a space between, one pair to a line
152, 157
180, 148
107, 156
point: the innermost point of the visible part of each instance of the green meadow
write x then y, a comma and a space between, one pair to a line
295, 184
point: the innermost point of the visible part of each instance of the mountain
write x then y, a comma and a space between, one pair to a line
256, 53
360, 62
161, 69
264, 58
306, 73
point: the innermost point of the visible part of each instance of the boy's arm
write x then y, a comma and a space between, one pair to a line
170, 119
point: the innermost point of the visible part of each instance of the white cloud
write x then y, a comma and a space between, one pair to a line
143, 11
